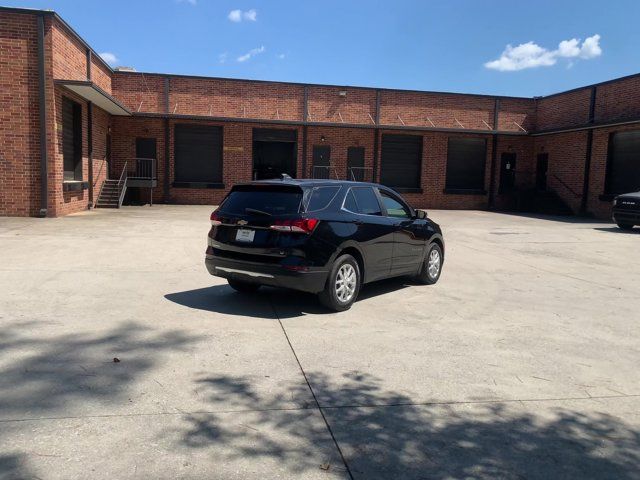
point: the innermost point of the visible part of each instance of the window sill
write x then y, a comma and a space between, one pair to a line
74, 185
464, 191
407, 190
202, 185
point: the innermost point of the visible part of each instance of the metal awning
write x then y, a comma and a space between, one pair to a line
92, 93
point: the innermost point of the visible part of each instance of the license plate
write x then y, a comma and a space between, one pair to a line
245, 235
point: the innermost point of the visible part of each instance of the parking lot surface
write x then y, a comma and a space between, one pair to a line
121, 357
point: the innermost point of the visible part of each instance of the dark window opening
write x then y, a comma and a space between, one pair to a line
401, 161
466, 160
274, 153
72, 139
623, 163
198, 153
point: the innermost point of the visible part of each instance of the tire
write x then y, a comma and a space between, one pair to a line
243, 287
625, 226
432, 265
342, 271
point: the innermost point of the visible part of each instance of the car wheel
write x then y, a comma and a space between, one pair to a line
625, 226
243, 287
343, 284
432, 266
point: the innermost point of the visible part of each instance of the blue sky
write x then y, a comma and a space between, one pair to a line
455, 46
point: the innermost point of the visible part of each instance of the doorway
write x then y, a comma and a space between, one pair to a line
355, 164
507, 172
542, 168
274, 153
321, 162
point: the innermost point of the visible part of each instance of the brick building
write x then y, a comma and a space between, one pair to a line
68, 122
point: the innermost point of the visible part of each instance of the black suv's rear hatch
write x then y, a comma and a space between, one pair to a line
255, 222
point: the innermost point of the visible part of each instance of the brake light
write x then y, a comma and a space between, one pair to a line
215, 219
300, 225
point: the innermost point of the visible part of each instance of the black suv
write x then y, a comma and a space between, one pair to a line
626, 210
322, 236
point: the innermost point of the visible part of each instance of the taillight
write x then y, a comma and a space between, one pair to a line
301, 225
215, 219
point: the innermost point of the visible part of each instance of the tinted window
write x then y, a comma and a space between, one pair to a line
393, 207
321, 198
366, 201
350, 202
623, 174
466, 163
275, 202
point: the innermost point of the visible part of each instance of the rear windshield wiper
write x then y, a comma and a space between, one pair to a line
259, 212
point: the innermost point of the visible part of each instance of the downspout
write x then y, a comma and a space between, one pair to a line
166, 141
494, 154
376, 135
90, 133
44, 164
587, 160
305, 118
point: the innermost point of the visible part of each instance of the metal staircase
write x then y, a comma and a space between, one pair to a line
112, 192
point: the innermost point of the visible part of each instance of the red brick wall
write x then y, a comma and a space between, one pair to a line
137, 92
339, 139
100, 75
563, 110
512, 111
415, 108
68, 54
326, 105
618, 100
567, 152
19, 116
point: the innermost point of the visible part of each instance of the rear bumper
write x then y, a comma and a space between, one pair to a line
630, 217
312, 281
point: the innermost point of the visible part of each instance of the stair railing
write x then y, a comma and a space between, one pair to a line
122, 184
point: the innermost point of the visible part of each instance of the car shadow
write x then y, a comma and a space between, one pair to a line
635, 231
263, 303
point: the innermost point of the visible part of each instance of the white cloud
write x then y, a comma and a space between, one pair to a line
238, 15
532, 55
281, 56
109, 57
190, 2
251, 53
222, 57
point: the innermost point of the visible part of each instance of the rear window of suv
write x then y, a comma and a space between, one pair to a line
271, 200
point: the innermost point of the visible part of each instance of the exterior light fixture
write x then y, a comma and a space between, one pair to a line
342, 93
323, 138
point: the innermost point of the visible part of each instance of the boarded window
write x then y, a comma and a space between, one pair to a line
623, 165
466, 158
198, 154
401, 161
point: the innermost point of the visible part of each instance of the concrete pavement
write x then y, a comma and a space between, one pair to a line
520, 363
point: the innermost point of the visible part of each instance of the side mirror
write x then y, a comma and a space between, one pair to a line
421, 214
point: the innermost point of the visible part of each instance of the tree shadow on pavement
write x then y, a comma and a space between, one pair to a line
383, 435
48, 375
